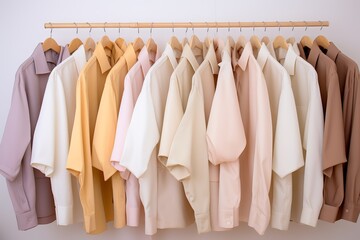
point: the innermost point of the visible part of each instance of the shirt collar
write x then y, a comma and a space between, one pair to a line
145, 59
314, 54
169, 53
102, 58
211, 58
244, 58
188, 55
332, 51
80, 58
41, 59
263, 55
130, 56
290, 60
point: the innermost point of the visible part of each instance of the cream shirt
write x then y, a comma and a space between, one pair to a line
287, 147
162, 196
52, 134
307, 181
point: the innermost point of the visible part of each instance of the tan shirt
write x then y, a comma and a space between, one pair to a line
256, 159
95, 193
349, 81
334, 141
188, 157
162, 196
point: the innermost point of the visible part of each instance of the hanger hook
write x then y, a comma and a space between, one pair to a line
151, 29
293, 26
119, 29
51, 29
90, 28
278, 25
77, 29
138, 28
253, 27
173, 27
228, 27
240, 28
217, 27
207, 26
105, 27
264, 26
321, 23
306, 26
192, 27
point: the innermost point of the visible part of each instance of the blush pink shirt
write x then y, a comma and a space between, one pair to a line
132, 88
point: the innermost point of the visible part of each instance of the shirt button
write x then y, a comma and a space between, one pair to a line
191, 198
346, 210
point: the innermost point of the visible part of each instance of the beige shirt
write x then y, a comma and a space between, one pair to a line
188, 157
256, 159
162, 196
287, 147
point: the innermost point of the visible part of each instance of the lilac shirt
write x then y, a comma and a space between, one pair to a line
29, 189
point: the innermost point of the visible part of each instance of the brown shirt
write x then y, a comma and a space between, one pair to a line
348, 73
334, 140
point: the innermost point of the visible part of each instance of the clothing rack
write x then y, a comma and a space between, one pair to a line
192, 25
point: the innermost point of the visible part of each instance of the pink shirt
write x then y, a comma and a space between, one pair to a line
132, 87
256, 159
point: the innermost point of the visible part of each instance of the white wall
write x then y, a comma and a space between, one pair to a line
22, 28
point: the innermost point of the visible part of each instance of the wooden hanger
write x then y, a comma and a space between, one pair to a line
265, 40
51, 44
322, 41
151, 45
255, 42
291, 40
195, 42
184, 41
74, 45
120, 41
175, 44
240, 43
306, 41
138, 44
89, 44
280, 42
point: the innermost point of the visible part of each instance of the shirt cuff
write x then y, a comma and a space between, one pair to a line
259, 222
27, 220
7, 173
309, 217
280, 221
228, 218
329, 213
47, 219
203, 222
45, 169
350, 213
180, 172
90, 223
132, 216
64, 215
150, 225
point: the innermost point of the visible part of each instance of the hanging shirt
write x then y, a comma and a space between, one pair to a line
95, 193
334, 141
226, 140
349, 81
29, 189
287, 148
256, 159
52, 136
162, 196
308, 181
132, 86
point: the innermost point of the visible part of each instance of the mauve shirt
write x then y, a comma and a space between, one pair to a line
29, 189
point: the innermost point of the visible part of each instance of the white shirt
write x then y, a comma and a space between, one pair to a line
168, 206
307, 181
52, 136
287, 148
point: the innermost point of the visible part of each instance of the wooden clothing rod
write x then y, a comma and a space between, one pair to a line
279, 24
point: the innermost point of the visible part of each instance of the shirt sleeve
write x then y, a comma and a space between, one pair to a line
189, 154
313, 143
351, 207
51, 146
104, 133
172, 118
143, 133
17, 133
226, 140
260, 204
333, 151
79, 158
288, 156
